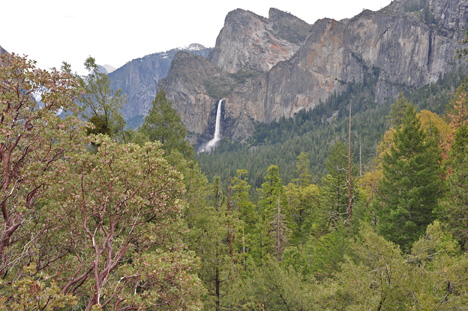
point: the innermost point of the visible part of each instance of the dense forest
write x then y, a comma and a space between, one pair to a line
96, 216
316, 131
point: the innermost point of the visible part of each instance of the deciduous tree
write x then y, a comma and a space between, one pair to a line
101, 105
121, 212
33, 141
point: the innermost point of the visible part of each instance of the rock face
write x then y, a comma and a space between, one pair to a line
2, 50
251, 42
275, 67
402, 51
138, 79
445, 14
195, 85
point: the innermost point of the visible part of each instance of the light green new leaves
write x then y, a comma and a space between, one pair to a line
120, 202
34, 292
379, 277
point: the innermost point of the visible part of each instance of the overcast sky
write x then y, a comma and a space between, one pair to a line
115, 32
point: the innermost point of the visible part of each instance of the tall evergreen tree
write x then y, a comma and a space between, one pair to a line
163, 124
410, 185
397, 114
272, 207
245, 210
302, 200
335, 195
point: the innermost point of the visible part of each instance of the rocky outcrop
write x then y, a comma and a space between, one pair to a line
2, 50
243, 128
451, 15
406, 45
251, 42
138, 79
194, 85
403, 52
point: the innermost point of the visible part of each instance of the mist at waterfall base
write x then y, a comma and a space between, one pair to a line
210, 146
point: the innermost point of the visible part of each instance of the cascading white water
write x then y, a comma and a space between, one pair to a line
217, 134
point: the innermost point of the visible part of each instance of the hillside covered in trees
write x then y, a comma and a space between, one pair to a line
99, 217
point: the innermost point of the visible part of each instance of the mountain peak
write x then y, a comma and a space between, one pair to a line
277, 14
250, 42
195, 47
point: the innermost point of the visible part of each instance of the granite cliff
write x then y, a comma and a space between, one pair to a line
275, 67
248, 46
138, 79
402, 51
194, 83
251, 42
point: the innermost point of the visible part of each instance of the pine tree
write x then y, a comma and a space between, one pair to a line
245, 210
302, 201
272, 230
163, 124
410, 185
397, 114
335, 196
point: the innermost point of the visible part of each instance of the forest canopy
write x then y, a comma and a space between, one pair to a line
99, 217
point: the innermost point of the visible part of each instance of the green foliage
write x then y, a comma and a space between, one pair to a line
303, 202
163, 124
33, 141
397, 114
335, 192
121, 204
379, 277
138, 226
271, 287
95, 230
100, 126
302, 169
454, 205
244, 74
164, 280
33, 292
273, 232
100, 104
315, 132
218, 88
242, 202
374, 279
327, 253
410, 185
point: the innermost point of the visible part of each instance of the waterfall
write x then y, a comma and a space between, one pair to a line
217, 134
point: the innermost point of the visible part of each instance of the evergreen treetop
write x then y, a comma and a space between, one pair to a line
410, 185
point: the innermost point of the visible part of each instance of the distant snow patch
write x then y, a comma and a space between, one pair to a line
195, 47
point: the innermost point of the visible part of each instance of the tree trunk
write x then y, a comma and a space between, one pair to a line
350, 193
229, 215
278, 235
243, 249
218, 294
